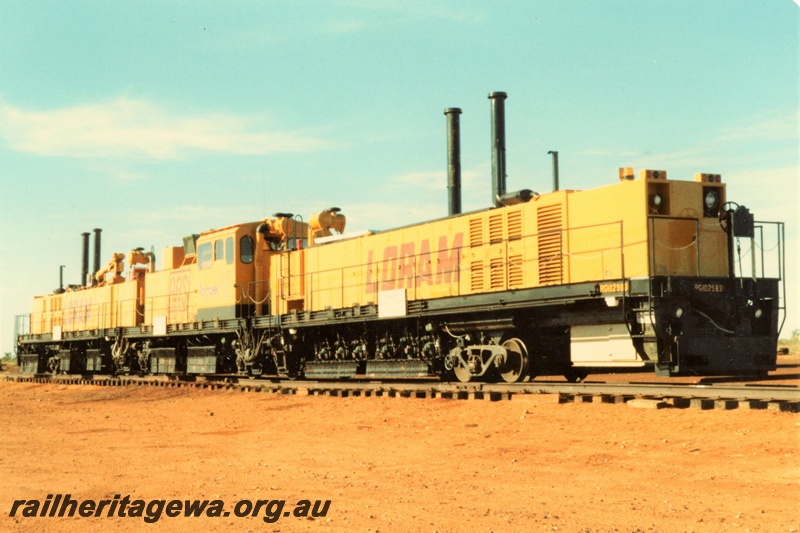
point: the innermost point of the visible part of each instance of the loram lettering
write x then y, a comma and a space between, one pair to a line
78, 312
412, 264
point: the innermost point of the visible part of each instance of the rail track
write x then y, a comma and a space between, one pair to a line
784, 398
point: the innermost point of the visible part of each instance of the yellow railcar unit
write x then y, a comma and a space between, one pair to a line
608, 233
645, 271
101, 308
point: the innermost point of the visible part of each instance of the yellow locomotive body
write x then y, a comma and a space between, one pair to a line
564, 237
598, 239
639, 272
72, 316
203, 280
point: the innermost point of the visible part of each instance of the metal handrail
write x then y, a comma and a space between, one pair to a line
311, 279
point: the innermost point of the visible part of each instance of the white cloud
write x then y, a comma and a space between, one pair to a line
348, 18
125, 128
436, 180
429, 181
769, 126
381, 216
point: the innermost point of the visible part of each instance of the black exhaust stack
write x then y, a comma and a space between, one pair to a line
97, 232
555, 168
498, 147
85, 262
453, 160
60, 289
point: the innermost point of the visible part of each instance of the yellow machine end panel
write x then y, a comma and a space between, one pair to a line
604, 223
46, 313
324, 265
39, 322
686, 238
170, 294
124, 309
173, 257
675, 247
287, 281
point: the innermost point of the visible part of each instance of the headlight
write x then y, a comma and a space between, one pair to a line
711, 200
655, 200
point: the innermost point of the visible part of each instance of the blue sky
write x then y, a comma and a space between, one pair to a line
153, 120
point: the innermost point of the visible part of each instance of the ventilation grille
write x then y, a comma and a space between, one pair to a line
515, 272
496, 228
476, 276
549, 230
514, 225
497, 273
475, 232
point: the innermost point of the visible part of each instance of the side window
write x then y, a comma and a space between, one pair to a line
229, 250
246, 249
204, 256
219, 250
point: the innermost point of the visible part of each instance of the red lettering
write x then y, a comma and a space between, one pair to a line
447, 265
372, 286
178, 305
402, 268
406, 266
77, 314
424, 267
389, 265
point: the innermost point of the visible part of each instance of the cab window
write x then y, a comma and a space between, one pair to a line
229, 250
204, 256
246, 249
219, 250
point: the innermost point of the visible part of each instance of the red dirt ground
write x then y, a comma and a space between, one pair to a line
389, 464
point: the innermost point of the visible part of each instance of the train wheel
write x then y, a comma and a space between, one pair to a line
515, 365
462, 374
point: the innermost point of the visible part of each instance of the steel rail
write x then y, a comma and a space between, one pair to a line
666, 390
705, 396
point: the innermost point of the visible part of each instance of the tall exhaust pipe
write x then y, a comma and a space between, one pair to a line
85, 262
60, 289
555, 168
498, 147
453, 160
97, 232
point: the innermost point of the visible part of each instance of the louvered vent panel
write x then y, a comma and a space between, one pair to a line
549, 230
514, 225
496, 228
515, 274
497, 274
475, 232
476, 273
